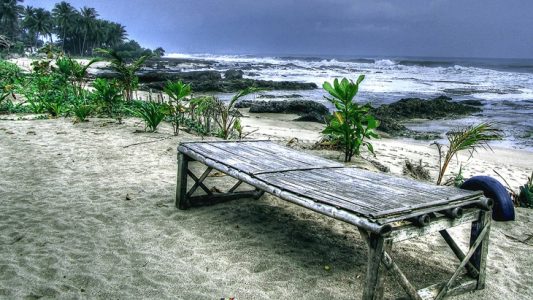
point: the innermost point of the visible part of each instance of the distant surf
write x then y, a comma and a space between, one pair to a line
504, 86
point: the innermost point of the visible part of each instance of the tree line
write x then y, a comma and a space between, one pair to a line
76, 32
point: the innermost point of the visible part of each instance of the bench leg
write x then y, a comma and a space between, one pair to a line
479, 258
182, 201
374, 273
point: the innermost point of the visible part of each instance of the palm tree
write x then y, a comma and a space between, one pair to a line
63, 14
126, 71
10, 12
115, 35
43, 24
88, 17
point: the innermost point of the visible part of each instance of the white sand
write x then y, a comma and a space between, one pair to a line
68, 230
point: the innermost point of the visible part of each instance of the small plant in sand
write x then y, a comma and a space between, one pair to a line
227, 116
74, 73
126, 71
152, 114
524, 196
109, 95
177, 91
352, 124
469, 139
10, 75
202, 112
416, 171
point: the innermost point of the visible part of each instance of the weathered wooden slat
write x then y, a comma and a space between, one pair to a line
216, 154
250, 155
181, 186
464, 285
374, 271
297, 156
479, 258
471, 269
393, 267
409, 231
327, 210
473, 248
320, 183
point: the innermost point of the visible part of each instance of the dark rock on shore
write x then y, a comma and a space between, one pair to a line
472, 102
392, 115
416, 108
308, 110
233, 74
210, 81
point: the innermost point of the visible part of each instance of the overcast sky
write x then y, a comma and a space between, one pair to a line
445, 28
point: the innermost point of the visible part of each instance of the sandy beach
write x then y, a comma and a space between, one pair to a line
87, 212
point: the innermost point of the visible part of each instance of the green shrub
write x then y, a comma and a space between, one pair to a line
227, 116
177, 91
525, 196
82, 111
152, 114
470, 139
351, 124
109, 95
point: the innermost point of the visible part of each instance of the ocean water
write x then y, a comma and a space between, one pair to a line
504, 86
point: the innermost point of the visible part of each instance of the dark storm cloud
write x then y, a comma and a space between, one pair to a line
488, 28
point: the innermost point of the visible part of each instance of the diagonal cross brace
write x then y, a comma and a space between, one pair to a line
471, 252
198, 182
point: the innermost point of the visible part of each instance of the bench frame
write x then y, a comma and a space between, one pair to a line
379, 238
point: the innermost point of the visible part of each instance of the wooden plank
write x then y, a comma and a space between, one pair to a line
464, 285
479, 259
327, 210
442, 293
470, 268
199, 182
409, 231
297, 156
374, 272
181, 185
214, 153
393, 267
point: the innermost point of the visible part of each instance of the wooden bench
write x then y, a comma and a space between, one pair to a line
384, 208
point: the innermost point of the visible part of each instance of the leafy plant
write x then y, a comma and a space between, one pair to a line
226, 115
82, 110
352, 124
525, 197
177, 91
109, 94
126, 71
470, 139
74, 73
152, 114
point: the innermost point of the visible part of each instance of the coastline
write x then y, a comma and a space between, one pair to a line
88, 212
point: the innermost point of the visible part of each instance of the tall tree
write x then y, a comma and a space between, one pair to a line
88, 17
64, 16
10, 11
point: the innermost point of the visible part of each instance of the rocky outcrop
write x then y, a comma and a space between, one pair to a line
309, 111
392, 115
233, 74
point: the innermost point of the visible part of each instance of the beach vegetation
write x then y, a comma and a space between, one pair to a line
465, 139
524, 196
126, 70
227, 117
82, 110
152, 113
177, 92
416, 170
352, 124
108, 93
